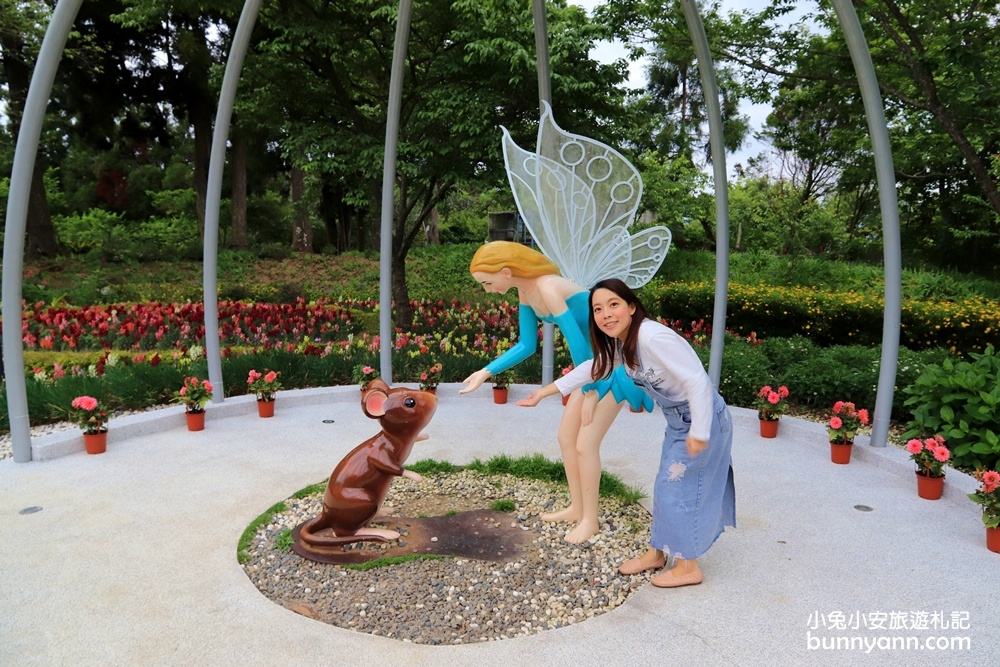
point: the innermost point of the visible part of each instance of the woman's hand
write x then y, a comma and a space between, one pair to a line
533, 399
696, 446
475, 381
590, 400
537, 395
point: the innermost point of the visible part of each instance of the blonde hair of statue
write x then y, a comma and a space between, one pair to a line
522, 261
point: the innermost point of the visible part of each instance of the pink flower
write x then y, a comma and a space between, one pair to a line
87, 403
837, 407
423, 376
253, 377
270, 377
207, 385
914, 446
773, 398
367, 369
183, 391
863, 417
764, 391
991, 480
930, 444
942, 454
836, 422
783, 391
940, 440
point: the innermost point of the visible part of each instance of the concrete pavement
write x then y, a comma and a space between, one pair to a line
132, 558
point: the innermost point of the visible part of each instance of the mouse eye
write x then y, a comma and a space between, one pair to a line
409, 402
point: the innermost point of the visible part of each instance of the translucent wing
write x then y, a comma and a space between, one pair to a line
578, 198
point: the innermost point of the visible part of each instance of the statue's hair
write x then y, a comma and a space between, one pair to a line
522, 261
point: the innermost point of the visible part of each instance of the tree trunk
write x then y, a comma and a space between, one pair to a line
238, 169
431, 229
201, 119
302, 230
41, 235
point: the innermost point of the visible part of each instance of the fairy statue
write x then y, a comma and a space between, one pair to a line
578, 198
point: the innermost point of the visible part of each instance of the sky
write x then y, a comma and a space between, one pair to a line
608, 52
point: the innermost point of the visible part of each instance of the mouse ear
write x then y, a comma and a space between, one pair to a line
374, 403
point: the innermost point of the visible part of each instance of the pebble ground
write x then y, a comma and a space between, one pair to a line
457, 600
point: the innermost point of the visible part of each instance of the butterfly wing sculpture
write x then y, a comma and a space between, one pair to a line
578, 198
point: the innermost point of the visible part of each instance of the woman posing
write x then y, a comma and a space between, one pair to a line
694, 497
545, 295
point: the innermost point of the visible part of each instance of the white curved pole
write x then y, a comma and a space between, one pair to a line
389, 188
707, 69
17, 218
213, 195
544, 95
889, 207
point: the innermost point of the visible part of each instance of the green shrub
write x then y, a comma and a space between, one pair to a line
961, 401
830, 318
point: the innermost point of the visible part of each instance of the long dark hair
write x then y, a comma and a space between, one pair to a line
603, 344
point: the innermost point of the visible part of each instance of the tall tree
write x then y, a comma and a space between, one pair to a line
470, 68
22, 25
935, 63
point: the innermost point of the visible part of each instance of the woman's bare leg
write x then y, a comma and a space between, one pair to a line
569, 428
588, 450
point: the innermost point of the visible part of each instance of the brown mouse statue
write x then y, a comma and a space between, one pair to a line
361, 480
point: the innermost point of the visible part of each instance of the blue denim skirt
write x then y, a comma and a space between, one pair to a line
693, 499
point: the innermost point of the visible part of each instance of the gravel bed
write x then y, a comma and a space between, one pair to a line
457, 600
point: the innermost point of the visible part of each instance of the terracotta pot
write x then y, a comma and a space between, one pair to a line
993, 539
499, 396
96, 443
265, 408
566, 399
769, 428
195, 420
840, 452
929, 488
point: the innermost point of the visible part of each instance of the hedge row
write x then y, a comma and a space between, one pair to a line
830, 318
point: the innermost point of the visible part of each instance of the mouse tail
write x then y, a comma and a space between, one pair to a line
307, 536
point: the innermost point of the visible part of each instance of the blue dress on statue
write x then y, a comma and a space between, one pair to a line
574, 324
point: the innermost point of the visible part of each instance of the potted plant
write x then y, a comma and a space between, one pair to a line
362, 375
264, 385
989, 497
429, 379
930, 456
194, 394
770, 404
843, 425
87, 412
501, 386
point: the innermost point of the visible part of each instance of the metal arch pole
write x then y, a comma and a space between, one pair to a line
389, 187
889, 206
544, 95
707, 69
213, 196
17, 218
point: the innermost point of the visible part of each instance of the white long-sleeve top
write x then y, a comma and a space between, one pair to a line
670, 365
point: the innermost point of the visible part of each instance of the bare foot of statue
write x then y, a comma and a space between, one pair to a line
583, 532
568, 514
